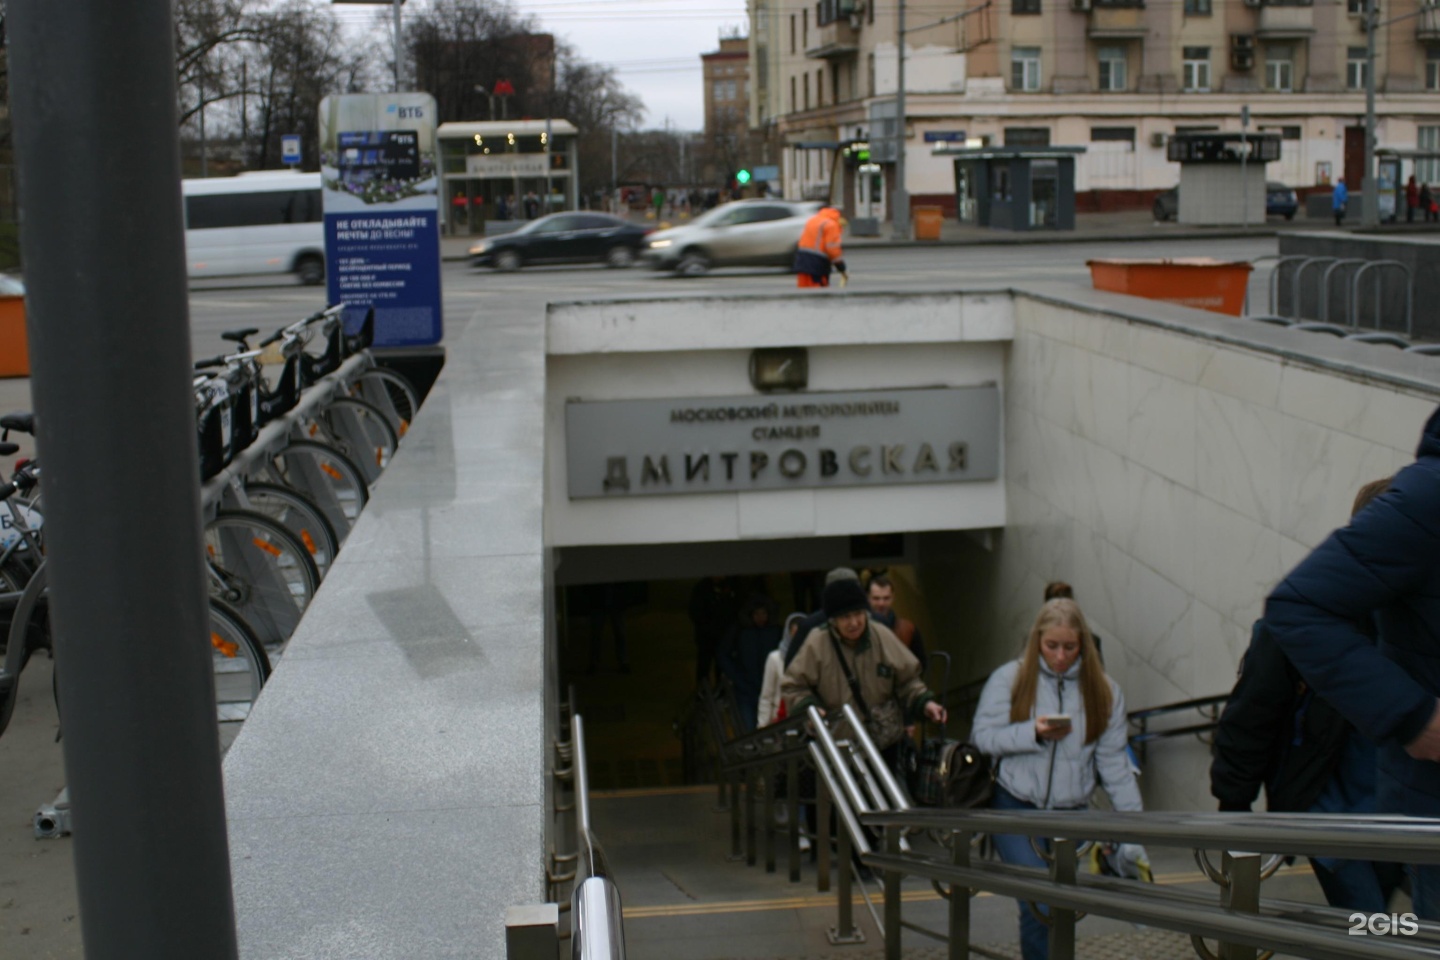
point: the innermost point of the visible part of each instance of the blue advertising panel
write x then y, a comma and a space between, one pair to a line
382, 213
290, 148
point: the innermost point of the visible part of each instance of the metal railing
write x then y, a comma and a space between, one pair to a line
1238, 917
1208, 708
596, 927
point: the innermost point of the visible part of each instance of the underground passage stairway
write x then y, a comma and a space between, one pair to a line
668, 842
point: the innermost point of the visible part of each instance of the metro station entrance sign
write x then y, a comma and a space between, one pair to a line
632, 448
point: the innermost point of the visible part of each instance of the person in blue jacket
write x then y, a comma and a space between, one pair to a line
1385, 565
1339, 199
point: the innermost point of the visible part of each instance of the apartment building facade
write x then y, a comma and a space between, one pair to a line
1117, 77
726, 84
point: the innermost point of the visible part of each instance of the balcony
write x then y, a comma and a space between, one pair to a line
1427, 27
1115, 22
835, 40
1278, 22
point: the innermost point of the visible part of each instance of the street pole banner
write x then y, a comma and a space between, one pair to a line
382, 211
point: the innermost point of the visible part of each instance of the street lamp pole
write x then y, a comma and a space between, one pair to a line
1370, 203
901, 218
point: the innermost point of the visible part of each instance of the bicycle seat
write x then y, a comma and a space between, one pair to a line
9, 449
239, 336
20, 421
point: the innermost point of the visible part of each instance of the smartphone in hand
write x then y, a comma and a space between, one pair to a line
1058, 721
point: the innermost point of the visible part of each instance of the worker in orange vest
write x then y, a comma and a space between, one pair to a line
819, 250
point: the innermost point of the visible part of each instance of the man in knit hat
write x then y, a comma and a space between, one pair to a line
849, 645
817, 619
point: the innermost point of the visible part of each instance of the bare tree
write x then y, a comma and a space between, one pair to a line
457, 45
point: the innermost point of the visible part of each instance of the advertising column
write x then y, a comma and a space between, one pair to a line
382, 211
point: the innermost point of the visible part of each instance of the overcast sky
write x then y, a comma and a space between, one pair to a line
654, 45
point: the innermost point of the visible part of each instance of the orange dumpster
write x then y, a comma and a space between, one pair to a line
14, 346
1201, 282
927, 222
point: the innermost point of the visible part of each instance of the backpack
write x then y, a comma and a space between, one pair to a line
952, 774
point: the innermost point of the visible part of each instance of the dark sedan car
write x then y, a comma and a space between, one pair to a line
1280, 201
563, 238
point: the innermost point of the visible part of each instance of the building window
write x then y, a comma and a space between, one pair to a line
1027, 136
1432, 69
805, 85
1197, 8
804, 29
1427, 170
1112, 69
1099, 134
792, 94
1355, 68
1024, 6
1025, 69
1357, 7
820, 87
792, 33
1195, 70
1280, 68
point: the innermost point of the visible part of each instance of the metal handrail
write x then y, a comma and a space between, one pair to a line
597, 931
1409, 295
1208, 707
1241, 917
1274, 279
1295, 282
1325, 284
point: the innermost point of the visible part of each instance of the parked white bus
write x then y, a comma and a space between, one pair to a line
264, 222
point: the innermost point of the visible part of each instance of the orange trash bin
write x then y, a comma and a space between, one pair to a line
1201, 282
927, 222
14, 346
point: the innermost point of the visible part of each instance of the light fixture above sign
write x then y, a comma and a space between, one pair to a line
779, 368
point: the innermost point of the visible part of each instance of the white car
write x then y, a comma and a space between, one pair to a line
744, 233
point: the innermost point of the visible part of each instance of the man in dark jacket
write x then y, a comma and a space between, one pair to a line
1275, 731
1385, 564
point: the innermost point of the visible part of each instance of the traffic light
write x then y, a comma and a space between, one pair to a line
742, 177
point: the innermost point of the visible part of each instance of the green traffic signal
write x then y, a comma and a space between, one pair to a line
742, 177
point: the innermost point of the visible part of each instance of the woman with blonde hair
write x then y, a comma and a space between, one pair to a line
1052, 721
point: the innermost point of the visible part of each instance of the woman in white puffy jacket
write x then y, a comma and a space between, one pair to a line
1053, 722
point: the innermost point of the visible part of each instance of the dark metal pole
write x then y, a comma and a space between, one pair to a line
93, 96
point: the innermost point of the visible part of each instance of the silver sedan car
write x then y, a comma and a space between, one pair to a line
740, 234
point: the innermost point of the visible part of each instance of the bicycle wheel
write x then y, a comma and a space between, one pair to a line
300, 516
331, 480
261, 569
360, 431
392, 392
240, 666
14, 580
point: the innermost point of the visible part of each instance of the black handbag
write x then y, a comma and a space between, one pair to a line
950, 773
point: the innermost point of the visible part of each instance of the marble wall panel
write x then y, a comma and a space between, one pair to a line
1238, 454
1241, 561
1162, 425
1349, 406
1102, 399
1162, 352
1244, 376
1160, 532
1320, 471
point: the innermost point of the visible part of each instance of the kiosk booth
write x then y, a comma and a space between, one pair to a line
1014, 188
489, 169
1222, 176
